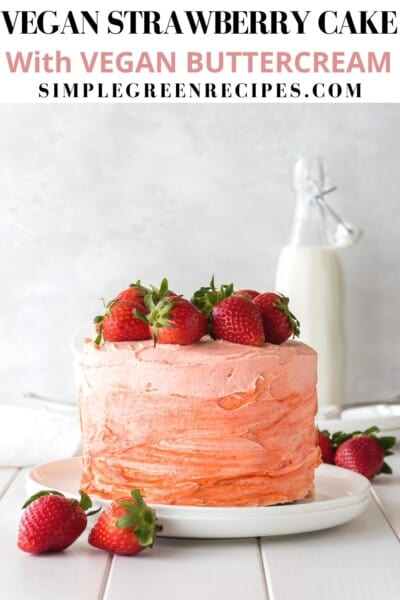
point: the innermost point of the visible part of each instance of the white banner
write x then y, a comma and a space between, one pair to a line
130, 52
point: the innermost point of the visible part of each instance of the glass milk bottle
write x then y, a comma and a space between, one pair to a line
310, 274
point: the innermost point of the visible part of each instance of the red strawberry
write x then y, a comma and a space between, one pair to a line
52, 522
236, 319
134, 293
362, 454
251, 294
363, 451
126, 526
279, 323
119, 323
174, 320
327, 448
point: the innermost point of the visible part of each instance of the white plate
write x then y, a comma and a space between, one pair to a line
341, 496
384, 416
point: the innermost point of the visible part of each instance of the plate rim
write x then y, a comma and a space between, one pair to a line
294, 508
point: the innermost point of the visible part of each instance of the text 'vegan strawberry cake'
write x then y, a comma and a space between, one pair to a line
205, 423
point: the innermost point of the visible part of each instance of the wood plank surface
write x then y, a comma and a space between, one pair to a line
387, 492
356, 561
190, 570
6, 477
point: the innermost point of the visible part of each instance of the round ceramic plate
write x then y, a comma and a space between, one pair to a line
340, 496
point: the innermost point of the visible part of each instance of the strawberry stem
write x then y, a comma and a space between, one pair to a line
159, 304
157, 294
141, 518
206, 297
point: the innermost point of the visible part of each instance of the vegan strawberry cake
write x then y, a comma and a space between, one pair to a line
193, 420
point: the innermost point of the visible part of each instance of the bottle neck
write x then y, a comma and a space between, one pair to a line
315, 222
309, 227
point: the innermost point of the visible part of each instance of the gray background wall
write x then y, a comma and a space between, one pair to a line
93, 197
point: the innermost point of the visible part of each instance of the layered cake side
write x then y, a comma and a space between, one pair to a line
208, 424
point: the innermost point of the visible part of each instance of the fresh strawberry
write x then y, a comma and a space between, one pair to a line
171, 318
119, 323
134, 293
362, 454
51, 521
174, 320
363, 451
327, 448
126, 526
279, 323
236, 319
251, 294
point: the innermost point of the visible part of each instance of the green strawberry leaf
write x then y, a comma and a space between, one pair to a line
387, 442
154, 294
40, 494
127, 505
93, 512
145, 536
339, 437
164, 288
141, 517
206, 297
85, 502
283, 305
138, 498
325, 432
371, 430
387, 469
127, 521
140, 316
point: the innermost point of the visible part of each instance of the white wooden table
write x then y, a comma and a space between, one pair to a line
356, 561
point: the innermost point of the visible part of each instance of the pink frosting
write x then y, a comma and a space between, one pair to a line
212, 368
213, 423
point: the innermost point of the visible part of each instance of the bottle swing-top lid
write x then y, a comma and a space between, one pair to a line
316, 222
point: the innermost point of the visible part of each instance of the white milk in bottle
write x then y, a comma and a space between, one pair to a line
310, 274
